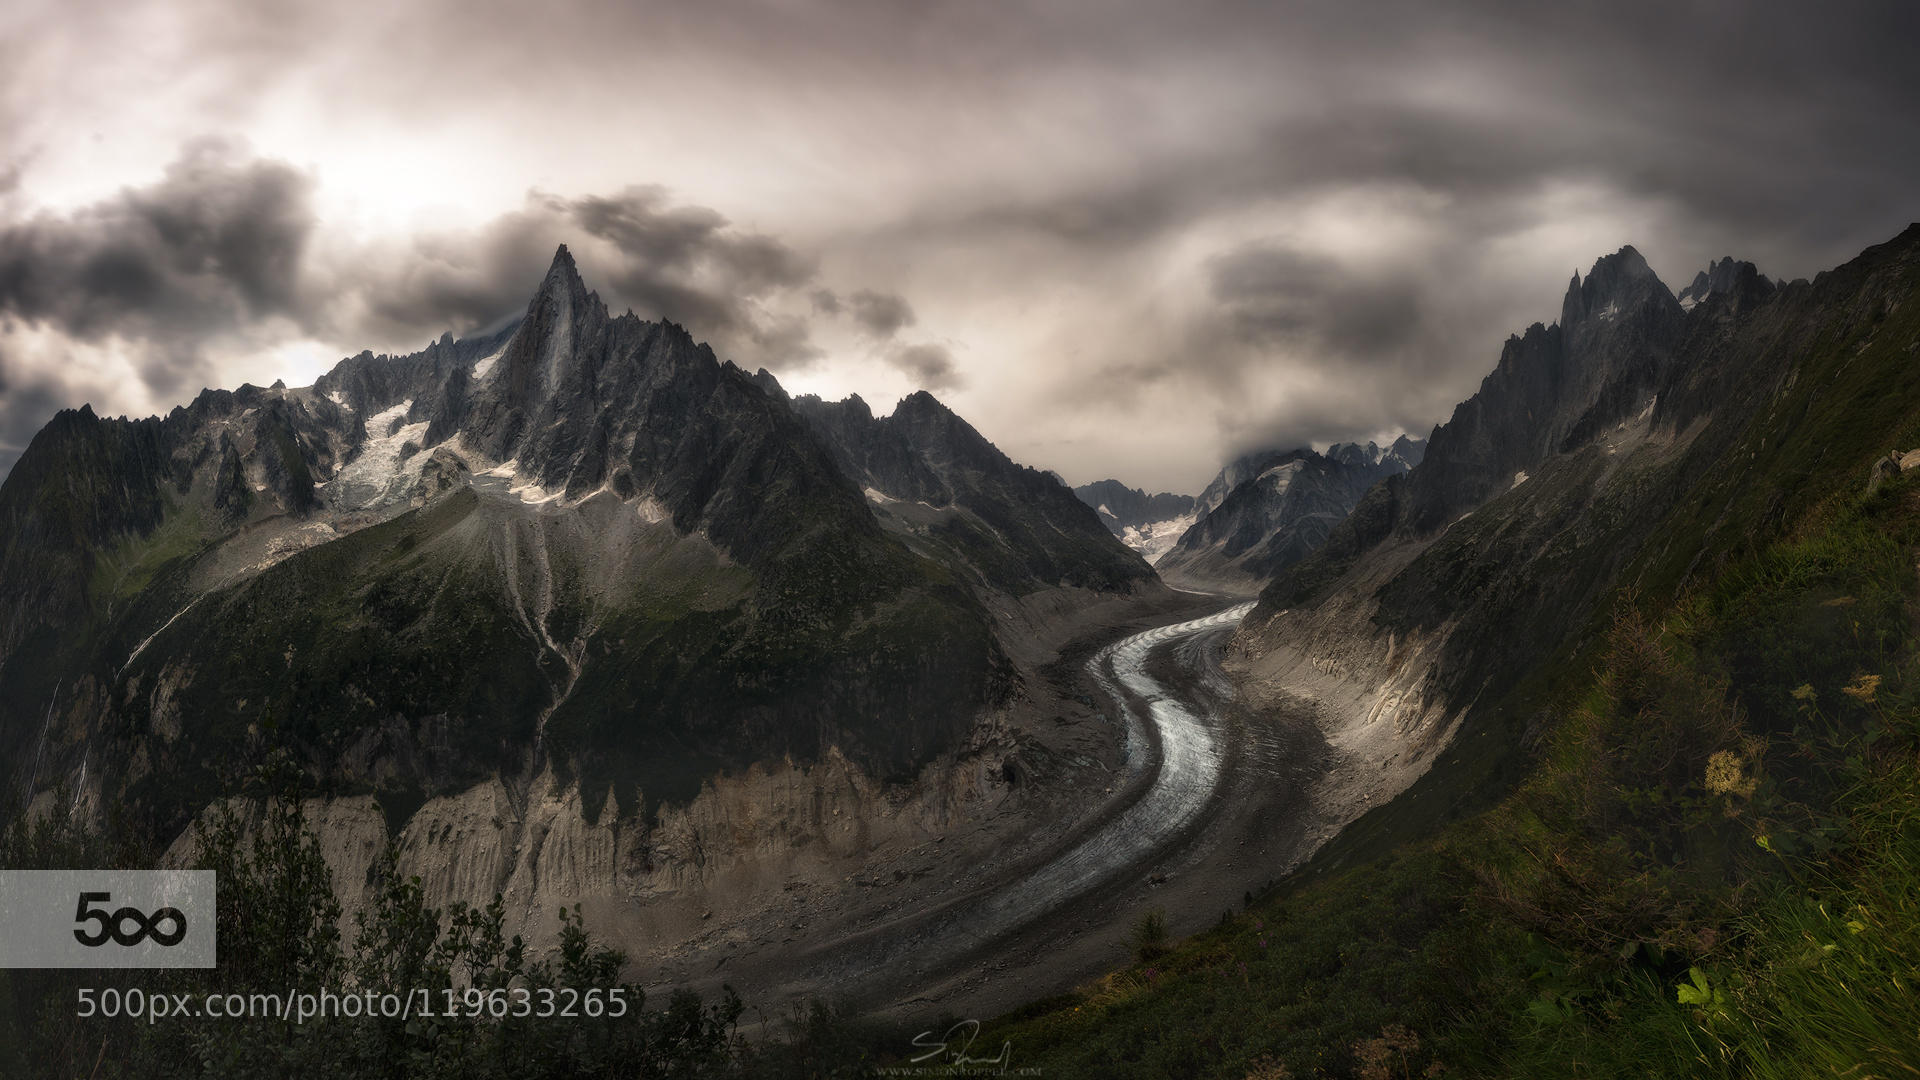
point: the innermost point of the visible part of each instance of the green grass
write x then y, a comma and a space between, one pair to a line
128, 568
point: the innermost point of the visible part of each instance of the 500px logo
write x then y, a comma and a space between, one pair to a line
107, 918
114, 925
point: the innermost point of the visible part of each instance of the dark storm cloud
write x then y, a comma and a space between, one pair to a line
1274, 296
27, 400
663, 260
659, 238
785, 341
214, 246
687, 263
929, 366
881, 314
459, 281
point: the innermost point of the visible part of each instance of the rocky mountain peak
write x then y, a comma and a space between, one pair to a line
1267, 510
537, 362
1353, 453
562, 264
921, 404
930, 474
1408, 449
1617, 284
1553, 389
765, 380
927, 422
1724, 277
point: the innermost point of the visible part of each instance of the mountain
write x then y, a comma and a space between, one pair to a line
1721, 276
936, 482
1149, 524
1555, 388
1635, 445
1627, 668
1268, 510
581, 547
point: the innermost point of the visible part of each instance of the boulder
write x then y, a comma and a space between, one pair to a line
1883, 470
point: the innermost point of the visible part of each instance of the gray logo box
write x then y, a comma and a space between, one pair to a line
40, 911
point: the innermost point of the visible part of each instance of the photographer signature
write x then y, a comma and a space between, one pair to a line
964, 1033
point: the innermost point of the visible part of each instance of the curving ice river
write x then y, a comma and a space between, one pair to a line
1191, 750
1173, 735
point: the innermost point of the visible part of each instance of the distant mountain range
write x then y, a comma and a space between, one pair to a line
582, 543
1267, 511
1264, 512
1149, 524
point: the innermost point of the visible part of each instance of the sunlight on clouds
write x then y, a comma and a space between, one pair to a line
104, 373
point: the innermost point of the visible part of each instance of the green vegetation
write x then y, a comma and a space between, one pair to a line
125, 570
331, 645
1150, 935
891, 673
1712, 870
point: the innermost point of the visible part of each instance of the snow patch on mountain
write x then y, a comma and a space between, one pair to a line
1279, 478
485, 365
521, 486
1156, 538
382, 474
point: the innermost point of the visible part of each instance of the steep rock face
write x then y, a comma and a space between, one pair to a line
577, 545
1553, 388
1724, 277
1149, 524
1399, 456
1120, 506
929, 475
1235, 473
1683, 443
1282, 507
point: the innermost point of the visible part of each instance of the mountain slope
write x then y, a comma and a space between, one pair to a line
1687, 639
1267, 511
581, 544
1149, 524
1677, 440
934, 480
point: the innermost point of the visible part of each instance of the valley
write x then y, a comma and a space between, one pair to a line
851, 711
806, 540
1206, 801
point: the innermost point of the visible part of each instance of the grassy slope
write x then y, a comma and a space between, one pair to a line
1549, 933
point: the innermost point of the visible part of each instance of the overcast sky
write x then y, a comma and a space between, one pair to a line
1123, 239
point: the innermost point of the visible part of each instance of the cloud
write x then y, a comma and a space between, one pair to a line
26, 403
662, 242
213, 248
1276, 296
1153, 223
930, 366
882, 314
413, 288
637, 247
